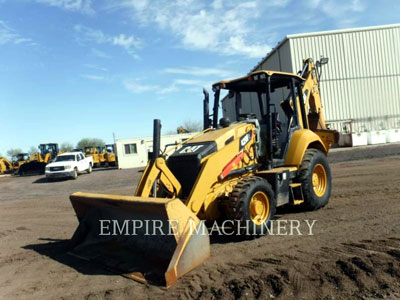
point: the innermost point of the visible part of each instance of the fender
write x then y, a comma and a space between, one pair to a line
301, 140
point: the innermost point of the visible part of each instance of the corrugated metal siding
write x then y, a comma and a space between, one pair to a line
362, 79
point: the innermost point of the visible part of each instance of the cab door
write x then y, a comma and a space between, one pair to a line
81, 162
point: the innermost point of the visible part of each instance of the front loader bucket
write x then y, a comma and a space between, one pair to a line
32, 167
151, 240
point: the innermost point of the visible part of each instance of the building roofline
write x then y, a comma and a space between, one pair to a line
338, 31
273, 50
327, 32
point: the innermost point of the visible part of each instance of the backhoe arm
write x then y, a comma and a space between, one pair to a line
312, 96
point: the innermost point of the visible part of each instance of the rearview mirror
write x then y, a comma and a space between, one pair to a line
323, 60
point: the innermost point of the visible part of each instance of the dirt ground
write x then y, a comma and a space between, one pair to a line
354, 252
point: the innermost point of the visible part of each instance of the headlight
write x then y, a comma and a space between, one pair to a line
68, 167
47, 168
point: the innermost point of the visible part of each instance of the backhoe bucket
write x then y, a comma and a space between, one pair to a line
151, 240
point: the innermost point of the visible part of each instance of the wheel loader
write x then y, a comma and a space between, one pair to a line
38, 161
272, 155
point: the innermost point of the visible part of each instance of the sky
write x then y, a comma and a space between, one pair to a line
71, 69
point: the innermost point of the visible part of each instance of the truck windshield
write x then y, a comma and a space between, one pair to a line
65, 158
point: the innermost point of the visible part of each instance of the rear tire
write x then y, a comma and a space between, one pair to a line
75, 174
315, 178
89, 170
251, 205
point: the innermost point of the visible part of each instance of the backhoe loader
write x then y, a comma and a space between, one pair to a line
239, 170
38, 161
109, 155
18, 160
5, 166
97, 153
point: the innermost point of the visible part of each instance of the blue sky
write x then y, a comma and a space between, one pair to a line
90, 68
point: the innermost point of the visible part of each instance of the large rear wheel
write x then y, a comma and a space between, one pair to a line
251, 206
315, 179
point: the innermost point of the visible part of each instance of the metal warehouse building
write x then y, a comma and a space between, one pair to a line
360, 86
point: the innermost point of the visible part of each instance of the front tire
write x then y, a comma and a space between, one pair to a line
315, 178
251, 205
75, 174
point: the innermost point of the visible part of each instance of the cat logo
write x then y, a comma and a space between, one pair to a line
244, 140
190, 149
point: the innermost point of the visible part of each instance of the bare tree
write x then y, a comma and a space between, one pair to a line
66, 147
190, 126
32, 150
14, 151
90, 142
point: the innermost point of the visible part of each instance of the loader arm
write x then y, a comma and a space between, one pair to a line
158, 171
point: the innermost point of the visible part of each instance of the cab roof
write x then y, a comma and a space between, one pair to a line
69, 153
256, 81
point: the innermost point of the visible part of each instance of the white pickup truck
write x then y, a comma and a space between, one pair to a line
69, 164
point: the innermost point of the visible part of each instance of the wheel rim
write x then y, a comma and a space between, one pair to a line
319, 180
259, 208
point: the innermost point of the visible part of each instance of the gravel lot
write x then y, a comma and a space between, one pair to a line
354, 252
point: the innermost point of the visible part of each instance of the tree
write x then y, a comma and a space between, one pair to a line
14, 151
190, 126
90, 142
32, 150
66, 147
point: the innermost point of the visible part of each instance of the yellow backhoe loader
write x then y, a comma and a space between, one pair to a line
5, 166
97, 153
239, 170
38, 161
109, 155
19, 159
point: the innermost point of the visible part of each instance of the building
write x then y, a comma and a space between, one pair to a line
134, 153
360, 85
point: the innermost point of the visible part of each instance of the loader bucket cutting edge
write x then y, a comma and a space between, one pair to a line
171, 241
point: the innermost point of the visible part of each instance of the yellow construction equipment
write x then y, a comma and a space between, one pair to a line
238, 170
38, 161
97, 153
19, 159
109, 155
5, 166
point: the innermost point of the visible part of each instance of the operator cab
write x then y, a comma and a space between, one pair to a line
270, 108
49, 148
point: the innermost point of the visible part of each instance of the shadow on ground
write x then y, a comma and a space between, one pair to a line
58, 250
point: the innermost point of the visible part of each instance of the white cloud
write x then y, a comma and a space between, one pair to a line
129, 43
136, 87
100, 54
343, 11
93, 77
96, 67
9, 35
196, 71
221, 27
82, 6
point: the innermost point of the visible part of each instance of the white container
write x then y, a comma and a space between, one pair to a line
359, 139
393, 135
377, 137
